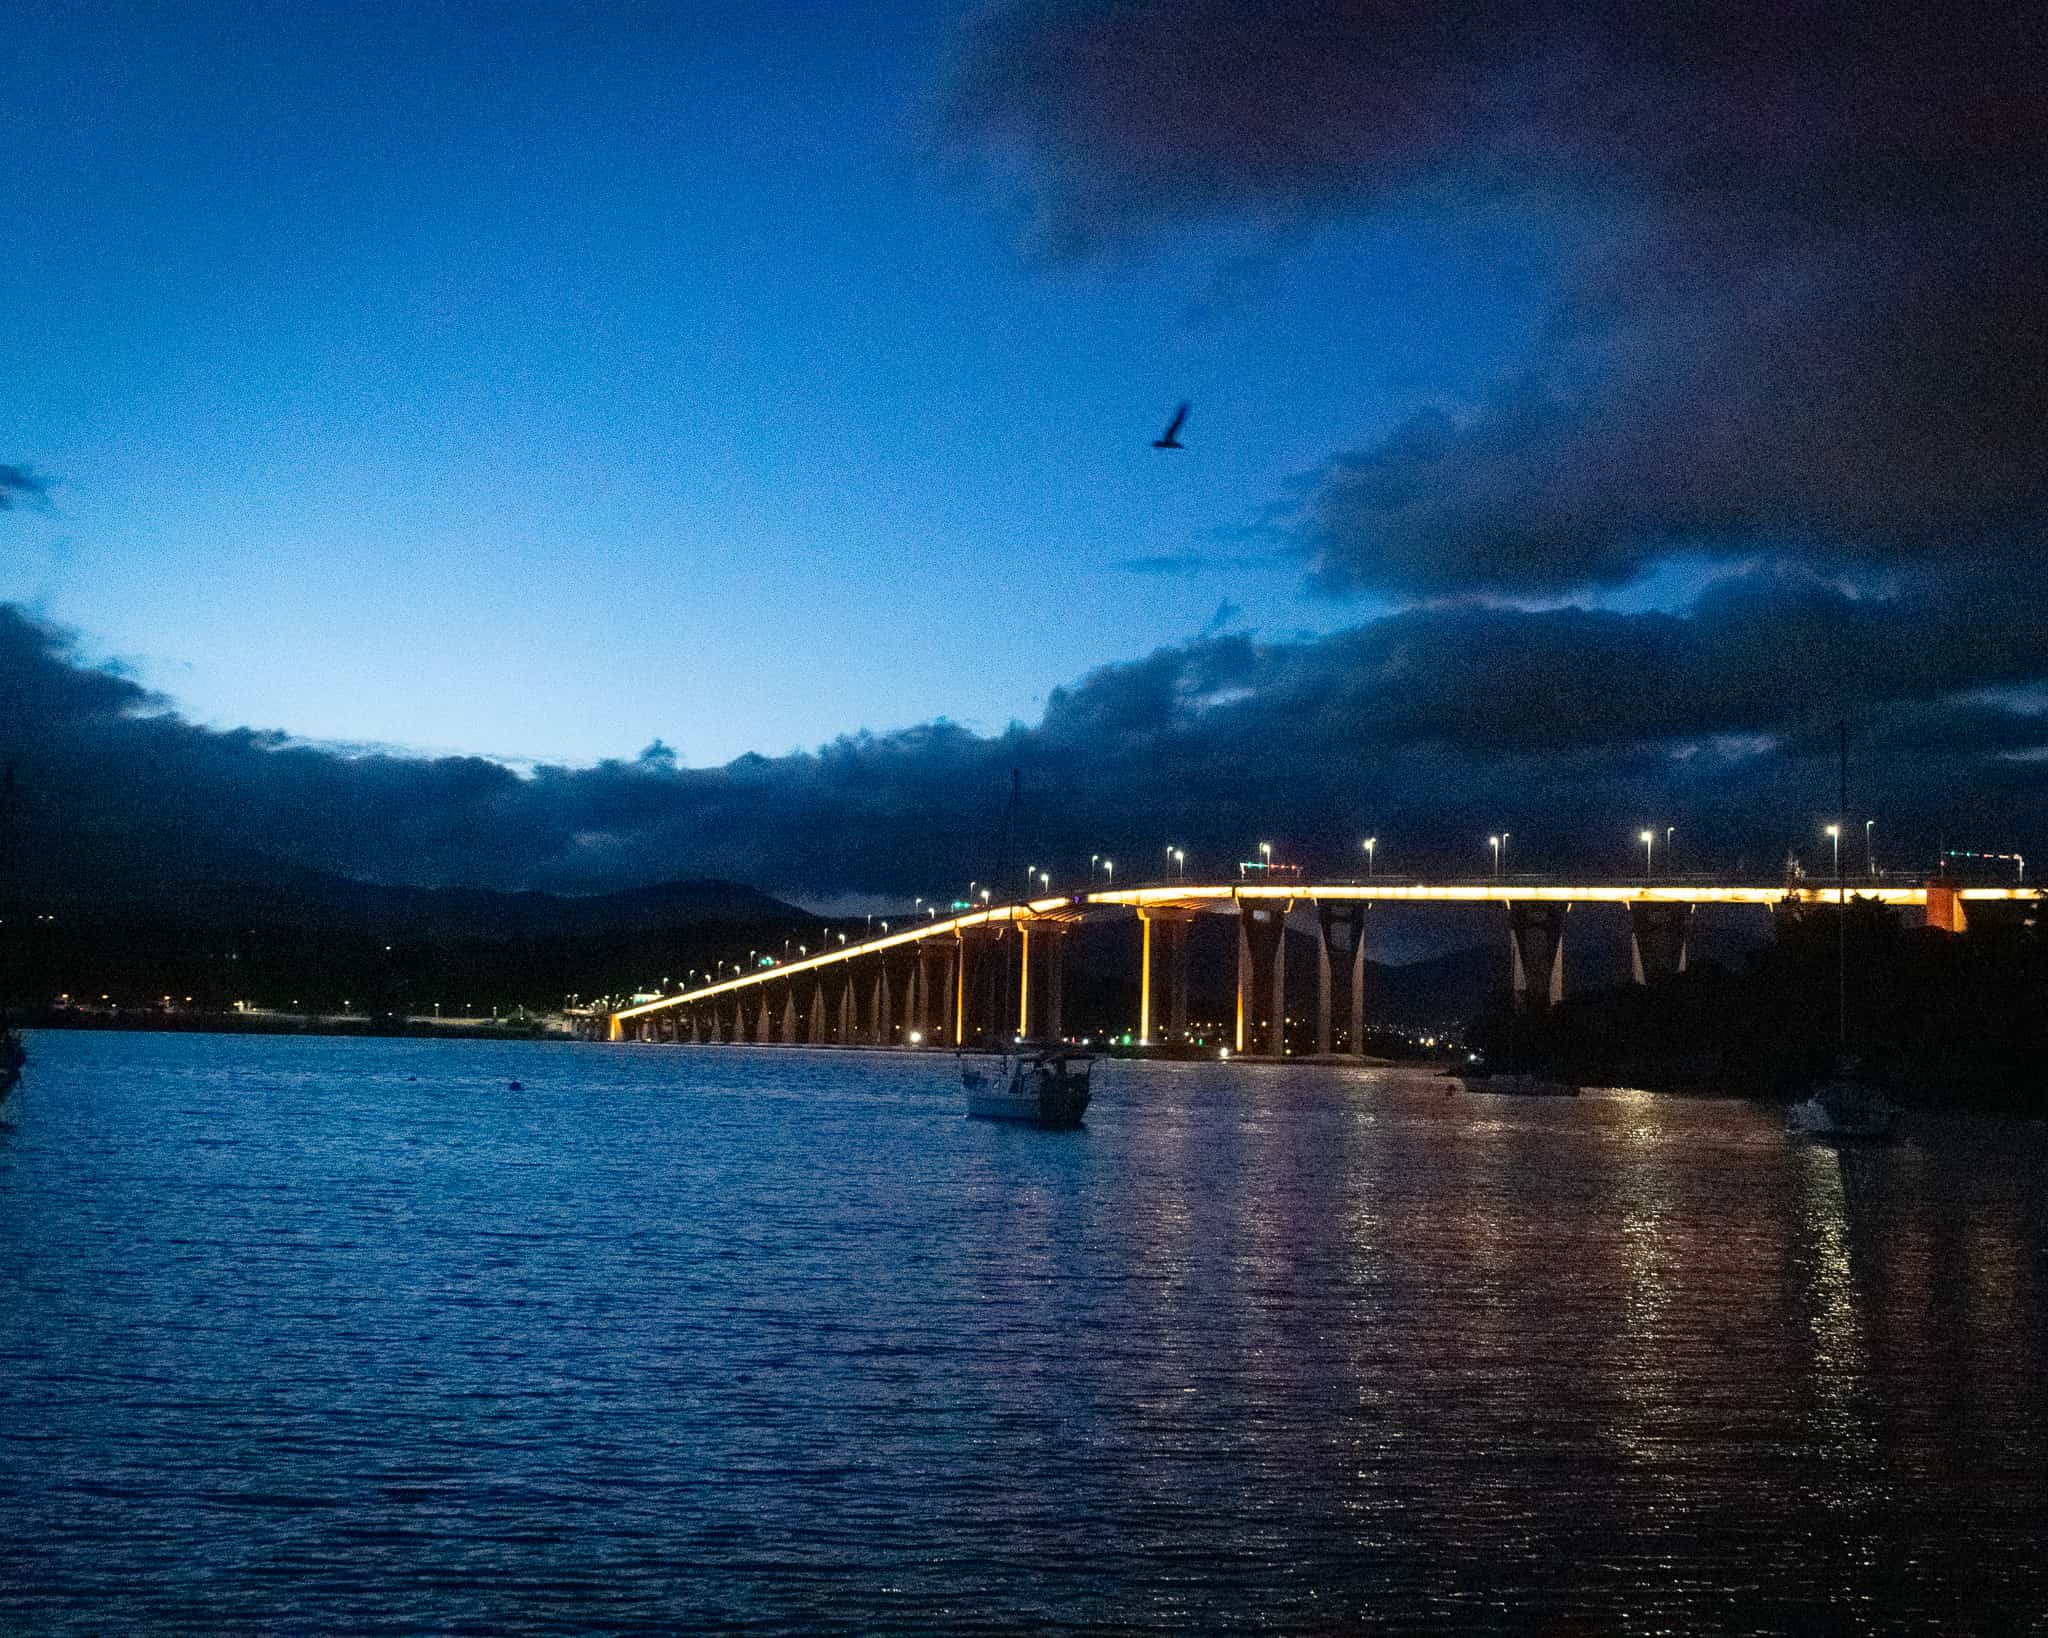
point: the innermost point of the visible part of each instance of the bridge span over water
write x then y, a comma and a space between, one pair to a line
931, 984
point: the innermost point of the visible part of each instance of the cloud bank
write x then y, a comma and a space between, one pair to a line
1806, 311
1428, 729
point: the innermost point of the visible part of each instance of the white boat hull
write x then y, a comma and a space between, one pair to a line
1843, 1109
1518, 1086
1033, 1091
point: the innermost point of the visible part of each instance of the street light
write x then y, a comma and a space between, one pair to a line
1504, 835
1835, 836
1495, 841
1045, 880
1180, 863
1648, 838
1669, 832
1869, 858
1369, 844
1109, 872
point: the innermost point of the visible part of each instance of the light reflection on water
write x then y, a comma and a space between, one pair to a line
307, 1334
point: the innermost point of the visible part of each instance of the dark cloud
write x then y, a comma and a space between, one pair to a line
18, 484
1808, 306
1430, 728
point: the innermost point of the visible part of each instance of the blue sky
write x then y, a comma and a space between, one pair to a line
542, 386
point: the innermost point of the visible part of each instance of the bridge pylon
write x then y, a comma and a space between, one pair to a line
1659, 938
1536, 941
1262, 954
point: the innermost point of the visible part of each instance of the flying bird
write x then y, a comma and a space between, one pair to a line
1171, 440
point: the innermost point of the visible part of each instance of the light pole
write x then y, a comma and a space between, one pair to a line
1669, 832
1495, 841
1180, 862
1648, 839
1369, 844
1045, 880
1869, 856
1835, 836
1266, 856
1094, 859
1109, 872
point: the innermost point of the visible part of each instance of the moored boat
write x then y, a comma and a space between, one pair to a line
1517, 1084
12, 1056
1844, 1108
1037, 1086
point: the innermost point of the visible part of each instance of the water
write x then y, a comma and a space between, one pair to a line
306, 1335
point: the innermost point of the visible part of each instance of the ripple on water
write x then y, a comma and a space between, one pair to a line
304, 1334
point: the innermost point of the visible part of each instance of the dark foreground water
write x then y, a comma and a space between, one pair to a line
309, 1335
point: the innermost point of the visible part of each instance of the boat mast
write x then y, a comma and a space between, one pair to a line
1841, 889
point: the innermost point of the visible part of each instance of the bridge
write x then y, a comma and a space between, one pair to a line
932, 984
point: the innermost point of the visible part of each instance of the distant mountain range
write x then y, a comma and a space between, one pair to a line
194, 882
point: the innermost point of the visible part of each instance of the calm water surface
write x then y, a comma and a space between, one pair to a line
303, 1335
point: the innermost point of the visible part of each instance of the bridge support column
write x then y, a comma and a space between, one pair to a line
1263, 945
1536, 941
789, 1017
1055, 983
1024, 979
1340, 938
1659, 936
1171, 921
956, 990
928, 1014
764, 1027
878, 1013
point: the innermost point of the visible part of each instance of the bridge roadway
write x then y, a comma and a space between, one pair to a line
918, 980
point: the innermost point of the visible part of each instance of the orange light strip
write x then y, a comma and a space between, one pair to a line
849, 952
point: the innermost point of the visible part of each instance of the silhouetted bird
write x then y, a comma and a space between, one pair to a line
1172, 438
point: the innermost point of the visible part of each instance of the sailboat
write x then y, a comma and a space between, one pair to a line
1845, 1106
1035, 1083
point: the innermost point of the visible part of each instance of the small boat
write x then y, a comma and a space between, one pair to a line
12, 1056
1845, 1108
1039, 1086
1516, 1084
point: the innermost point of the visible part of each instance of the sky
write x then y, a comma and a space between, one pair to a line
566, 446
539, 384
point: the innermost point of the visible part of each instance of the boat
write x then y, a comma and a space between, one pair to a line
1516, 1084
1038, 1083
1039, 1086
12, 1056
1846, 1108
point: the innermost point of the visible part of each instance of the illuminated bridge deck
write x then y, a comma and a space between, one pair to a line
1178, 900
